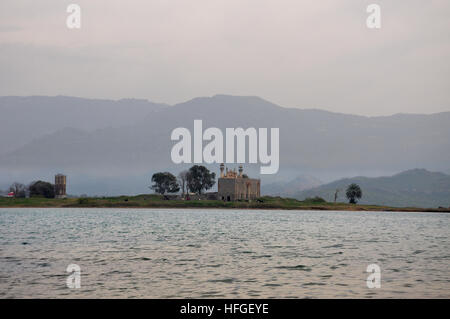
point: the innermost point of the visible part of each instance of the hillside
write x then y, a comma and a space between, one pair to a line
416, 187
290, 188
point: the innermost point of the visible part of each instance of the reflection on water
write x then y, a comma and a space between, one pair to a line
163, 253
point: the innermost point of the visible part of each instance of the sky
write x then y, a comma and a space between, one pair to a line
305, 54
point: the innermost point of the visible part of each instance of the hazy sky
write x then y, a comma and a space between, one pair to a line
306, 54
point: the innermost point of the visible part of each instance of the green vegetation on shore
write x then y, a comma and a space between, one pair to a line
158, 201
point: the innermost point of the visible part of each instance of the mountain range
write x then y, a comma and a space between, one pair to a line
112, 147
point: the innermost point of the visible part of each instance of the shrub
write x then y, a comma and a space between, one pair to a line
82, 201
315, 200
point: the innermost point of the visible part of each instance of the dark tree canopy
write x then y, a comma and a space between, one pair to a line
199, 178
42, 189
19, 190
164, 183
353, 193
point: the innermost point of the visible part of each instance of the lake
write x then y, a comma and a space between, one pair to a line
188, 253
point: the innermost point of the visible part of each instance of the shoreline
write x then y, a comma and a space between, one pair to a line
399, 210
156, 201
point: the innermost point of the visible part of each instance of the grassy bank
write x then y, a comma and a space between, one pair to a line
156, 201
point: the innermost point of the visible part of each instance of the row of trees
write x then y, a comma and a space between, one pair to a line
35, 189
196, 180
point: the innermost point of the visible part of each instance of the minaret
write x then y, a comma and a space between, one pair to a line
222, 166
240, 170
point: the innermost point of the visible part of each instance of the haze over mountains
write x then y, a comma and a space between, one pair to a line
113, 147
290, 188
417, 187
24, 119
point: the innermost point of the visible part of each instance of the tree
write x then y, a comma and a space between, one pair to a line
164, 182
199, 178
19, 190
183, 181
353, 192
42, 189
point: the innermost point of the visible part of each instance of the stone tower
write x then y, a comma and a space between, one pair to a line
60, 186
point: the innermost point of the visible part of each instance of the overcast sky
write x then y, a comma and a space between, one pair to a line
306, 54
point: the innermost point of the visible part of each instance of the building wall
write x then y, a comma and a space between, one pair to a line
230, 189
226, 188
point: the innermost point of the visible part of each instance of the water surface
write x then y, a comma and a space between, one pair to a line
164, 253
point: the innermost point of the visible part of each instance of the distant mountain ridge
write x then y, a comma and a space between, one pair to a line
28, 118
416, 187
40, 136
